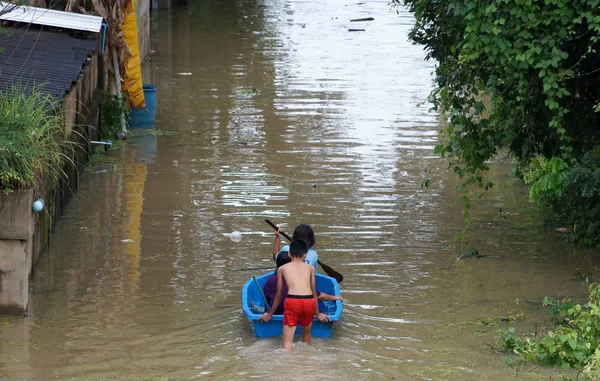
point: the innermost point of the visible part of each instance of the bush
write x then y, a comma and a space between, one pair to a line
33, 141
572, 191
521, 76
573, 343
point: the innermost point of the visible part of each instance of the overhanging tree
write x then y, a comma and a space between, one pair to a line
535, 65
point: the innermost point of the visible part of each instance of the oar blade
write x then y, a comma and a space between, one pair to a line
332, 273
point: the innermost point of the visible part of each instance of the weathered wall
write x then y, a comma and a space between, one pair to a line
164, 4
88, 96
16, 233
142, 9
24, 234
69, 108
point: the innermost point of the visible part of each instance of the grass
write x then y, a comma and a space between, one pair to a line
100, 158
149, 132
33, 141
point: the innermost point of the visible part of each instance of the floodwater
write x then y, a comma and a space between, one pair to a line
273, 109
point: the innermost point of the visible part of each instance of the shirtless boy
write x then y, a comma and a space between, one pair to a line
301, 302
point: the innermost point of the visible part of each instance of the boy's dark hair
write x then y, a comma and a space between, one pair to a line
298, 248
282, 259
305, 233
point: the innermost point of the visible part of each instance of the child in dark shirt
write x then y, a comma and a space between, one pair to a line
300, 305
270, 287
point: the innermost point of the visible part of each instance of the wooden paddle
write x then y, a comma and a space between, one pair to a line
328, 270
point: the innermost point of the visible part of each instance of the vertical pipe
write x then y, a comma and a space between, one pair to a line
118, 83
104, 36
105, 85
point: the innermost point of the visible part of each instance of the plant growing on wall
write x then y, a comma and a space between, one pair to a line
112, 109
536, 66
33, 142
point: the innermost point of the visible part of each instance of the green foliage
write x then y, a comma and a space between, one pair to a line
521, 75
572, 344
33, 142
572, 191
112, 108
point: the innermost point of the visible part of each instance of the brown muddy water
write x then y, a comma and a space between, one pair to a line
273, 109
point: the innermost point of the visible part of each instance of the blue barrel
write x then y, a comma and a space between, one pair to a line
145, 117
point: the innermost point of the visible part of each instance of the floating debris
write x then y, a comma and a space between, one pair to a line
356, 30
363, 19
235, 236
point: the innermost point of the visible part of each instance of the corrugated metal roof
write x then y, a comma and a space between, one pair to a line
50, 17
38, 57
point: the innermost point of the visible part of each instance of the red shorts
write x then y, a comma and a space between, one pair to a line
298, 309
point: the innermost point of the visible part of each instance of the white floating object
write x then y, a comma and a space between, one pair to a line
235, 236
184, 73
38, 205
127, 240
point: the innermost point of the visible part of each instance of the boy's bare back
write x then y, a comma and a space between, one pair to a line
299, 277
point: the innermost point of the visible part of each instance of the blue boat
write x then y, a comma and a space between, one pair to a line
254, 306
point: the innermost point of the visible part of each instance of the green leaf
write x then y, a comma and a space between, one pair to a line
573, 343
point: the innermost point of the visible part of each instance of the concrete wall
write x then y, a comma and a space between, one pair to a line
142, 9
16, 250
164, 4
88, 94
24, 234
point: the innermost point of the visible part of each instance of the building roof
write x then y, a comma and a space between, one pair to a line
50, 17
38, 57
